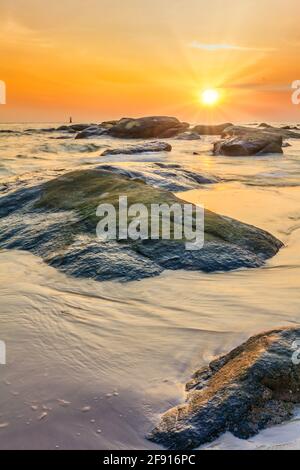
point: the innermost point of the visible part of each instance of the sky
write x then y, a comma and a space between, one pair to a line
105, 59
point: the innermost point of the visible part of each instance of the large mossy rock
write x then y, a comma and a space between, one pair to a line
147, 127
57, 221
254, 386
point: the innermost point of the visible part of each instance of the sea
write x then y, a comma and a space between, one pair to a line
92, 365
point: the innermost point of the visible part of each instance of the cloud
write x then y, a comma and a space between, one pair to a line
13, 32
226, 47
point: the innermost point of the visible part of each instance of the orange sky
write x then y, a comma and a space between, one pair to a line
101, 59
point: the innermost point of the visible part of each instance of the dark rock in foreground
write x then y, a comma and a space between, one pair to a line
254, 386
248, 145
203, 129
147, 127
141, 148
57, 220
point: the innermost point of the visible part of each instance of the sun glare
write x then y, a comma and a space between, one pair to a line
209, 97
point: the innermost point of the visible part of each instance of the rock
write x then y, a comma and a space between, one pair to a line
210, 129
142, 148
147, 127
92, 131
8, 131
57, 221
74, 127
108, 124
169, 176
265, 125
38, 131
253, 387
290, 128
248, 145
188, 136
242, 131
62, 137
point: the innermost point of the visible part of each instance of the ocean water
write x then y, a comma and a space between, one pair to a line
93, 364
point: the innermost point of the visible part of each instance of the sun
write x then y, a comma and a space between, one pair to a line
210, 97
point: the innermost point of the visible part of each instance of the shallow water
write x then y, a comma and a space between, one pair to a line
90, 364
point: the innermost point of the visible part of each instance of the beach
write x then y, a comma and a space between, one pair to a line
92, 365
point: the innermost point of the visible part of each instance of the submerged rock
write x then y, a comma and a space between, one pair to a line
254, 386
188, 136
141, 148
204, 129
57, 220
249, 145
147, 127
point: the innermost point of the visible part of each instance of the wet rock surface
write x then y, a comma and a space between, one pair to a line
188, 136
92, 131
57, 221
248, 145
147, 127
73, 128
141, 148
169, 176
253, 387
206, 129
267, 132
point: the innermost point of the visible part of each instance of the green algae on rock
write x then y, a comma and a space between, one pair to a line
57, 221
